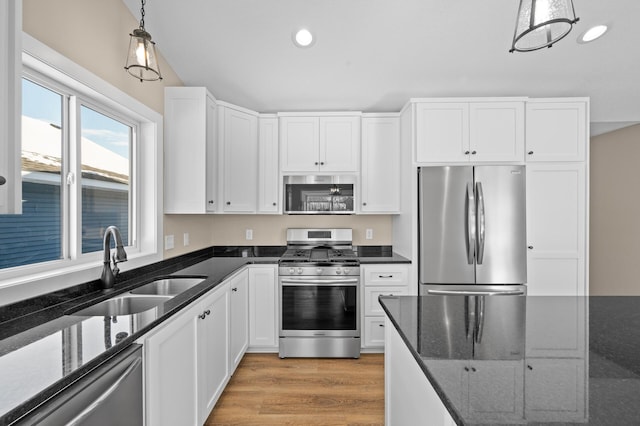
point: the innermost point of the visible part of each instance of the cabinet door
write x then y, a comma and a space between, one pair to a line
555, 327
442, 132
496, 391
187, 150
299, 144
213, 350
171, 373
371, 294
268, 172
339, 144
380, 184
568, 378
556, 217
240, 148
556, 131
239, 286
212, 156
373, 332
263, 307
496, 131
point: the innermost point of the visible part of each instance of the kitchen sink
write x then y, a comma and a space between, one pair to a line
169, 286
123, 305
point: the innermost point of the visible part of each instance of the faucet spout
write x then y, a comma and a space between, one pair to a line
109, 274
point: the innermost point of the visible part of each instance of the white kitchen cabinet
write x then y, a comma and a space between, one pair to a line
213, 349
377, 280
10, 107
556, 229
567, 377
328, 143
485, 390
380, 165
238, 133
460, 132
263, 308
186, 365
239, 336
556, 129
190, 151
409, 397
268, 171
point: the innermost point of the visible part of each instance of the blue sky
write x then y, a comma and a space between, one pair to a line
43, 104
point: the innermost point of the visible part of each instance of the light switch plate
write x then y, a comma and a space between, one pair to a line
369, 234
249, 234
168, 242
185, 239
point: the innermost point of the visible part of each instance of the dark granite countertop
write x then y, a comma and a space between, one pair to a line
36, 334
533, 360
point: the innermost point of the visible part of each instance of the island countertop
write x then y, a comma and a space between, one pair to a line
526, 359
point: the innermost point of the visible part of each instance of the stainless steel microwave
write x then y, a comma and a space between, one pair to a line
319, 194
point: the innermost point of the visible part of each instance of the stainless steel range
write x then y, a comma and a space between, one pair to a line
319, 285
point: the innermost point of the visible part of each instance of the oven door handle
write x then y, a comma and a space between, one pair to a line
304, 281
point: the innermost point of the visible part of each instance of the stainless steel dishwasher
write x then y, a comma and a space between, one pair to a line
110, 395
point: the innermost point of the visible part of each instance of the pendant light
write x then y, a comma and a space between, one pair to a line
541, 23
142, 61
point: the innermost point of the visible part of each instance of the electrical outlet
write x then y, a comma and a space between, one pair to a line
185, 239
369, 234
249, 234
168, 242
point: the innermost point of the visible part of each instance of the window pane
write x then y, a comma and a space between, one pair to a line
35, 235
106, 147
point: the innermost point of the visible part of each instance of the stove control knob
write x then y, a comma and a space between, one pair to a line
291, 270
346, 270
299, 270
319, 271
338, 271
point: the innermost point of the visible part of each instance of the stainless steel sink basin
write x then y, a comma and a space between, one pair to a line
170, 286
123, 305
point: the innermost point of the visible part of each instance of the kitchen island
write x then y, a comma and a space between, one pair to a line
512, 360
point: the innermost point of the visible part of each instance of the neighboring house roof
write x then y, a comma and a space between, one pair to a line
41, 153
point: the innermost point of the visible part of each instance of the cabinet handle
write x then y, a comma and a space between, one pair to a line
228, 203
385, 276
473, 369
466, 153
210, 201
529, 367
380, 325
202, 315
364, 204
322, 163
316, 163
530, 152
2, 180
530, 247
466, 369
274, 204
234, 289
473, 153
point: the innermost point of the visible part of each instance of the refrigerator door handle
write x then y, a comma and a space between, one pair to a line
481, 223
476, 292
471, 224
479, 318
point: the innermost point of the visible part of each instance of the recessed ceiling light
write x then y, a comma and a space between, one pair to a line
593, 33
303, 38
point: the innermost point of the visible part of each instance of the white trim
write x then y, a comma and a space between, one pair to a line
23, 282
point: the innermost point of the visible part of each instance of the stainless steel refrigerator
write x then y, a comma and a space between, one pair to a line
472, 230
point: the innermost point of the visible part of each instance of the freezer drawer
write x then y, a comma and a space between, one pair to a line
111, 395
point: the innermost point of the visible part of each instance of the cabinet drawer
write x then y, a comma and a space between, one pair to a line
386, 275
373, 332
371, 304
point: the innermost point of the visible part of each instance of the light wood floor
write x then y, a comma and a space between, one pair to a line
267, 390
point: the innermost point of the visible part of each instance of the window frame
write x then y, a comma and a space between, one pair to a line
90, 90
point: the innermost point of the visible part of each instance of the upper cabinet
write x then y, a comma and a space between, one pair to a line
238, 133
319, 143
380, 192
10, 93
556, 129
491, 131
190, 151
268, 171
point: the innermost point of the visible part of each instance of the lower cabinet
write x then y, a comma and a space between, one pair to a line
409, 397
263, 308
186, 362
239, 291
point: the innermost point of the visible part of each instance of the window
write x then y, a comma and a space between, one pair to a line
91, 158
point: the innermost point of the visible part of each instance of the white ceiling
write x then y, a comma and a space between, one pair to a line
373, 55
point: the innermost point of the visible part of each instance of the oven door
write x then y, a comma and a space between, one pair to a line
319, 306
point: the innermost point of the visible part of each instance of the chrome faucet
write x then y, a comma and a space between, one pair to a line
109, 275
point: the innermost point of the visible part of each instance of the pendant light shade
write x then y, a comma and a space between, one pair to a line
541, 23
142, 61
